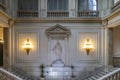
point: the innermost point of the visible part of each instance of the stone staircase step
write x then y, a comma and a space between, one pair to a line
103, 73
90, 79
97, 76
93, 77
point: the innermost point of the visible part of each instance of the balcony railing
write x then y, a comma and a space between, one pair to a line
102, 73
2, 5
88, 14
116, 61
5, 75
116, 6
27, 13
59, 14
114, 75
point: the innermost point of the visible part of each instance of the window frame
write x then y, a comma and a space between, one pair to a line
58, 6
25, 8
77, 7
115, 2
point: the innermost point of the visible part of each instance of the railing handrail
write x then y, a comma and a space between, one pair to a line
87, 74
57, 11
27, 10
109, 74
6, 72
116, 6
2, 4
87, 11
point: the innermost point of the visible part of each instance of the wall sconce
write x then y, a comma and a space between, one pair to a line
28, 46
1, 41
88, 46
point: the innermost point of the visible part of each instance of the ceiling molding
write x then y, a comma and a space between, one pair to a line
4, 19
60, 20
113, 15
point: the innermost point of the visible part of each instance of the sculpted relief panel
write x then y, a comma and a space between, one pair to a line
57, 51
57, 36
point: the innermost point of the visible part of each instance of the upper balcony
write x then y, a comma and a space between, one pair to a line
27, 13
58, 14
57, 9
3, 5
88, 13
116, 5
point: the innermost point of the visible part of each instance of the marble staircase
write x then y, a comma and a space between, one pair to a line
97, 74
101, 73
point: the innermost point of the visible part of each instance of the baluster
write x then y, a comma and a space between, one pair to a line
83, 14
64, 14
119, 74
116, 75
79, 14
50, 14
53, 14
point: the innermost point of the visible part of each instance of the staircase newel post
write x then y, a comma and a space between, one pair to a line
42, 76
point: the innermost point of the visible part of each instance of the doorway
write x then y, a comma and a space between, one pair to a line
1, 54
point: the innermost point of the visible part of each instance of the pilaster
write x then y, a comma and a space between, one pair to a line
72, 10
43, 8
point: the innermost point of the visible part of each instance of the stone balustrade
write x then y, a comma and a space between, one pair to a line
27, 13
57, 14
63, 73
116, 6
2, 5
113, 75
88, 14
6, 75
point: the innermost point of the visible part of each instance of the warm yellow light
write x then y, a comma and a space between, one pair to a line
1, 41
28, 46
88, 46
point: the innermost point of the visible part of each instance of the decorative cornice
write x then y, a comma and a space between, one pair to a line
107, 20
58, 31
58, 20
3, 14
4, 19
113, 15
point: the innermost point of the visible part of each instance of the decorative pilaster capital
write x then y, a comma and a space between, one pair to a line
105, 22
11, 22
